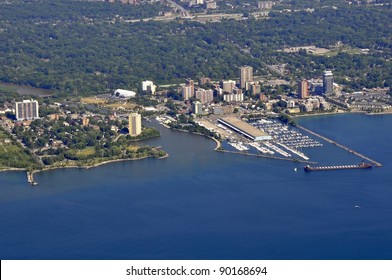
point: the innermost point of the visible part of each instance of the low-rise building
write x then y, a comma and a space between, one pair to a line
245, 129
222, 110
233, 97
211, 5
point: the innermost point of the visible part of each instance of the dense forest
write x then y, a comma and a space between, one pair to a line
74, 10
77, 48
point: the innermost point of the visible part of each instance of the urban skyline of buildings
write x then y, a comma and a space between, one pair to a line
230, 91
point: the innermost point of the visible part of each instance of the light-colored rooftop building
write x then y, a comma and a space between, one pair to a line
233, 97
124, 93
149, 87
245, 129
26, 110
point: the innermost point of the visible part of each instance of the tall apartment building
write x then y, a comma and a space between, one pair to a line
204, 80
205, 96
135, 124
246, 75
26, 110
190, 83
228, 86
256, 88
303, 89
197, 108
327, 82
187, 92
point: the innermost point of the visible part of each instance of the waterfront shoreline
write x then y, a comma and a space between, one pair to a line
80, 167
218, 143
320, 114
9, 169
342, 112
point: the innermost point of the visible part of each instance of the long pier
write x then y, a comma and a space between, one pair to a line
266, 156
341, 146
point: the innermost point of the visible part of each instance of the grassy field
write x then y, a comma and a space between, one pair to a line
118, 105
343, 49
133, 148
107, 104
86, 152
93, 100
7, 89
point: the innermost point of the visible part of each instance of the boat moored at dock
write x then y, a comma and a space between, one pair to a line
362, 165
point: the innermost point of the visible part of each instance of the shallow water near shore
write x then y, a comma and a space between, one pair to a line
202, 204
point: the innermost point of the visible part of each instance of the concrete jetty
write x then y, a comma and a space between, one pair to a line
30, 178
341, 146
266, 156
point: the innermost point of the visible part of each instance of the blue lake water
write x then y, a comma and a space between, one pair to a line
201, 204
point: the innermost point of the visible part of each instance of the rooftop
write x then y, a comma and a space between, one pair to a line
245, 127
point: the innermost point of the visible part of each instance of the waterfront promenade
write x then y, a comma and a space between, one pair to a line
341, 146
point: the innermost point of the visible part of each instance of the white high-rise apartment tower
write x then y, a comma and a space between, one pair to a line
26, 110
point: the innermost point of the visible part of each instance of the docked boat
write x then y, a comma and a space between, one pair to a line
362, 165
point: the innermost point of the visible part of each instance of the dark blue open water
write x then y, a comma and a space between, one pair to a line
201, 204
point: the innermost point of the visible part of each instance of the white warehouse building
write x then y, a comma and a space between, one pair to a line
124, 93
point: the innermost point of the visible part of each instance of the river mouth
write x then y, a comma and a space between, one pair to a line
24, 90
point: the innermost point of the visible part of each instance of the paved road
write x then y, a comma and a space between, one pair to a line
184, 13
